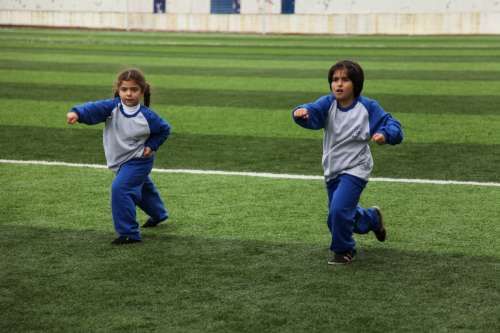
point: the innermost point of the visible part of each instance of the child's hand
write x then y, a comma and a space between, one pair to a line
301, 114
148, 152
379, 138
72, 117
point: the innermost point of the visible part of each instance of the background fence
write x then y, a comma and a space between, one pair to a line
424, 17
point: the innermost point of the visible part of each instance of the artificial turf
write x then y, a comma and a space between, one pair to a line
246, 254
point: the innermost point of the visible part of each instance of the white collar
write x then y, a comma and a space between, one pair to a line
131, 110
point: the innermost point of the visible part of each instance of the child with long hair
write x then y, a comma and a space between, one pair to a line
349, 121
132, 134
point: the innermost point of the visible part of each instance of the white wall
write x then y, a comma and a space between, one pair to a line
258, 6
110, 6
317, 17
188, 6
394, 6
141, 6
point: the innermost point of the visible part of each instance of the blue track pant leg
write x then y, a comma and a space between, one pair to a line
344, 193
367, 220
151, 202
126, 192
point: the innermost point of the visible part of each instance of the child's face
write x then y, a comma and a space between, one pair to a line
130, 93
342, 87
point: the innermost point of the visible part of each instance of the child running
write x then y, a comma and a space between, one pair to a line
349, 121
132, 134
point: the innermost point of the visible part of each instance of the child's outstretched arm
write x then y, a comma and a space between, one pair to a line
378, 138
301, 113
383, 127
389, 131
92, 112
313, 115
71, 117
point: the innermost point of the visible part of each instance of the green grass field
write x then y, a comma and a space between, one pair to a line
244, 254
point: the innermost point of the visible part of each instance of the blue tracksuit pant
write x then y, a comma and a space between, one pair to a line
133, 187
345, 215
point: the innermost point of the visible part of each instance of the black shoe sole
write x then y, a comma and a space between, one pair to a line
150, 224
123, 241
381, 233
345, 259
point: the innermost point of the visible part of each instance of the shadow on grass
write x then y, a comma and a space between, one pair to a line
60, 280
247, 153
251, 99
297, 73
224, 52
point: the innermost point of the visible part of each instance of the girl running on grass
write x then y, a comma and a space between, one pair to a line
132, 134
349, 121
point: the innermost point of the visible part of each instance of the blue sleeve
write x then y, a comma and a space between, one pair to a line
95, 112
159, 129
318, 113
383, 122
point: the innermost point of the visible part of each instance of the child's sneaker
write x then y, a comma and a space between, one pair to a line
341, 258
150, 223
125, 240
380, 233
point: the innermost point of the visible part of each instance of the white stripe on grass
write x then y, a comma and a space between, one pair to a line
256, 174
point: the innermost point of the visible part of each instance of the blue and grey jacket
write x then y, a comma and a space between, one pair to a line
127, 129
347, 133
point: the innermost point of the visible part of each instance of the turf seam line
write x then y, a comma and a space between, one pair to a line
256, 174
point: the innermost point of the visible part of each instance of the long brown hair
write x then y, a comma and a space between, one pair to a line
134, 74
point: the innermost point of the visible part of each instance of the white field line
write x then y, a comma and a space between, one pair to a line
256, 174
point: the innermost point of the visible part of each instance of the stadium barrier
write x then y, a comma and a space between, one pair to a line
365, 24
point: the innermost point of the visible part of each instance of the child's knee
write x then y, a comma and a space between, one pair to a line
117, 187
340, 214
120, 189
